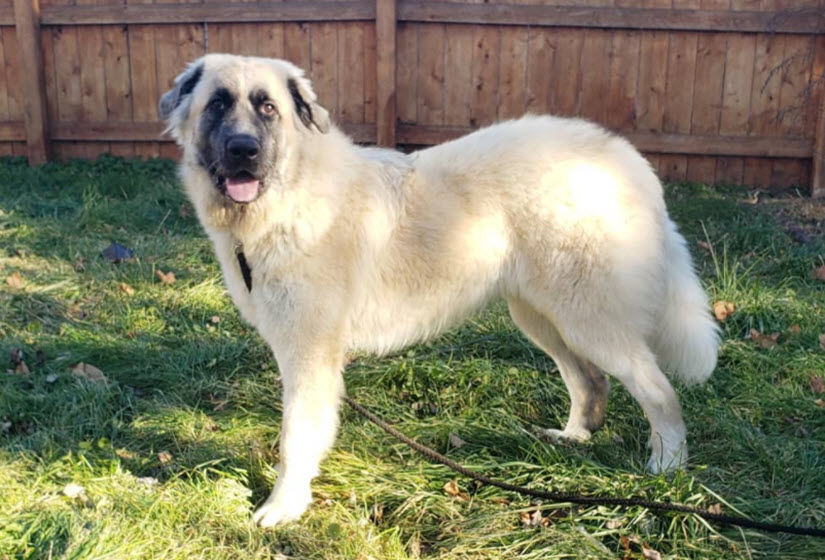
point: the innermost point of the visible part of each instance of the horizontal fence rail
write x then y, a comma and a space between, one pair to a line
733, 94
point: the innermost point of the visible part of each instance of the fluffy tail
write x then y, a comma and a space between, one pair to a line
687, 339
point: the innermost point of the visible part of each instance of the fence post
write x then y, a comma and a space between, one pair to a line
818, 180
27, 23
385, 24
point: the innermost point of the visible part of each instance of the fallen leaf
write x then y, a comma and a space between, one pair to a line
22, 369
764, 340
148, 481
451, 488
614, 523
164, 457
116, 253
214, 319
723, 309
817, 384
73, 490
80, 264
650, 554
456, 441
820, 403
51, 378
125, 454
533, 519
818, 273
822, 341
705, 245
795, 329
715, 509
15, 281
126, 289
89, 373
167, 278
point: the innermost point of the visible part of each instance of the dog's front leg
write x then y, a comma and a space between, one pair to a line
313, 386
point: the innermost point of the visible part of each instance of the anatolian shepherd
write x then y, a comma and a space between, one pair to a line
327, 247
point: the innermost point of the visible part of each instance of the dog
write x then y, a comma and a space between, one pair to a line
327, 247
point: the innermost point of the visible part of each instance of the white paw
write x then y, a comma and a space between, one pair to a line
667, 458
577, 436
285, 504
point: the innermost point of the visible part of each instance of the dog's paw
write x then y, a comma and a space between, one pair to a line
282, 506
566, 435
668, 459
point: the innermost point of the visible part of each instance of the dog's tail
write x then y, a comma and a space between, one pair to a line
687, 339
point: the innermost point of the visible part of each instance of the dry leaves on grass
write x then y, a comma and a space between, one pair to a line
819, 273
73, 491
452, 489
126, 289
764, 340
817, 384
167, 278
20, 367
456, 441
89, 372
822, 341
723, 309
164, 457
15, 281
647, 552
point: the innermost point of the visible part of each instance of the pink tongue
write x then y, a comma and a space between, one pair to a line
242, 190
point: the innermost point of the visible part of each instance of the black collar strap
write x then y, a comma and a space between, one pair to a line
246, 272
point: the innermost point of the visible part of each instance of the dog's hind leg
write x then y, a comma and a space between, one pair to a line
587, 385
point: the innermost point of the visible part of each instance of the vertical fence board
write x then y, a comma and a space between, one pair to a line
324, 52
623, 76
707, 100
431, 74
371, 80
567, 64
650, 94
485, 63
458, 76
678, 98
513, 73
350, 61
406, 90
5, 147
118, 83
595, 64
541, 48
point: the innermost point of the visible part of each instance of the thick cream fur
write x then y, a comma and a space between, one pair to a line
368, 249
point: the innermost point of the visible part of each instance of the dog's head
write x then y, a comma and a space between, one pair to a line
236, 118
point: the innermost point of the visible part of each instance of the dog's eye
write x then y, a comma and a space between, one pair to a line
217, 105
268, 108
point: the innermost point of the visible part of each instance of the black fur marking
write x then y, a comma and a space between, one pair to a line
301, 106
190, 83
246, 272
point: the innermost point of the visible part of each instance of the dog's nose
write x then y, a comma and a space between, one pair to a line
242, 147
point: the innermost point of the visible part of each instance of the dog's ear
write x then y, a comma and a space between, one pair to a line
184, 84
310, 113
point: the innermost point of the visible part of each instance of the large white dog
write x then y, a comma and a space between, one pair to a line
327, 247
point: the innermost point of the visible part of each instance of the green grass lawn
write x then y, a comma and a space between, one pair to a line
174, 450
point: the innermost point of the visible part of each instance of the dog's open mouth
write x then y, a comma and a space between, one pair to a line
242, 187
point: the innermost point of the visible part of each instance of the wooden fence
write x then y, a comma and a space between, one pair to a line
711, 90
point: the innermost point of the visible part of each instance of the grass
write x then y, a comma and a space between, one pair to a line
175, 450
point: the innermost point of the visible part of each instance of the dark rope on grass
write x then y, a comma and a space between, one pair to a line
581, 499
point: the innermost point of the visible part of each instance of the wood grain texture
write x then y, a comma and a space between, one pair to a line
431, 74
513, 73
541, 50
27, 80
458, 75
485, 64
406, 74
